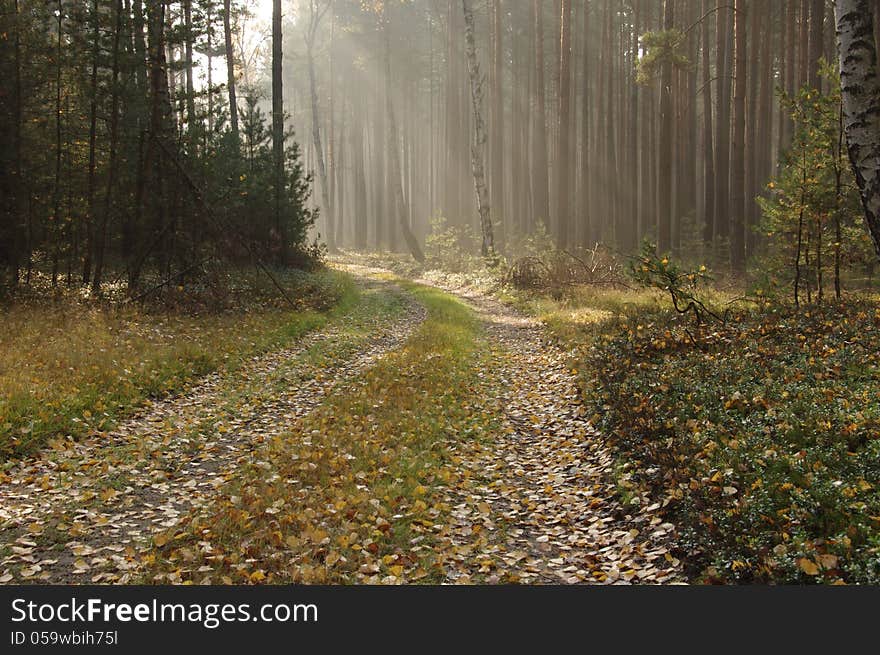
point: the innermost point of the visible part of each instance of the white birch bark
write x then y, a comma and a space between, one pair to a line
860, 87
479, 136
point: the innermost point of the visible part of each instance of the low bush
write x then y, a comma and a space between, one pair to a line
765, 436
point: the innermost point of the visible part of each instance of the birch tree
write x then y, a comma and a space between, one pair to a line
487, 246
860, 88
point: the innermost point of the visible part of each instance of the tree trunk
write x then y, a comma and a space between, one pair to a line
278, 126
487, 246
315, 16
191, 122
751, 138
498, 114
817, 19
18, 228
804, 44
541, 197
764, 163
877, 26
394, 172
722, 128
629, 240
738, 208
708, 149
453, 120
93, 131
563, 214
360, 183
339, 174
664, 210
132, 227
860, 87
230, 65
586, 175
55, 225
785, 70
378, 174
111, 164
209, 34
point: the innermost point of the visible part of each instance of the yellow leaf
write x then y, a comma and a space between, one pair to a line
828, 561
808, 566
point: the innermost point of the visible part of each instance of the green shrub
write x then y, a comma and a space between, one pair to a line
659, 272
765, 437
451, 248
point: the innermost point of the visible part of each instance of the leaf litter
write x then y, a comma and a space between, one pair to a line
86, 511
521, 490
538, 503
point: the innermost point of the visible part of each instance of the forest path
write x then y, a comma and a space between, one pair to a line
540, 503
86, 511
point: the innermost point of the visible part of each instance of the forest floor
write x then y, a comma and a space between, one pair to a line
757, 432
424, 436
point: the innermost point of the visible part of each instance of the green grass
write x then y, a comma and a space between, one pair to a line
353, 493
71, 368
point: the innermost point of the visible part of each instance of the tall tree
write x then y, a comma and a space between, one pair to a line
738, 197
723, 126
860, 88
487, 244
360, 182
114, 150
664, 210
563, 174
56, 220
540, 172
454, 122
399, 206
188, 66
278, 123
17, 208
230, 65
317, 10
817, 20
586, 173
93, 140
804, 43
497, 127
708, 146
751, 145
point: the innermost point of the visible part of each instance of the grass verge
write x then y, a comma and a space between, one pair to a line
763, 434
72, 369
354, 493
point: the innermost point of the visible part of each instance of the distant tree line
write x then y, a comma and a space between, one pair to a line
607, 120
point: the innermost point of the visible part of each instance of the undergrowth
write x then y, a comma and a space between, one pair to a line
765, 434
